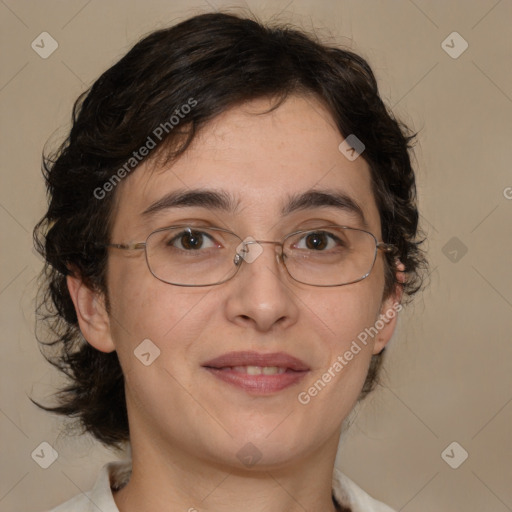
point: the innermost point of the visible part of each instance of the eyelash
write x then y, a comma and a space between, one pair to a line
178, 237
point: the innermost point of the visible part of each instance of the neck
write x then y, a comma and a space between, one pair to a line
168, 480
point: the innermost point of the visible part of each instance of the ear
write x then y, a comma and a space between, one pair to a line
390, 308
92, 315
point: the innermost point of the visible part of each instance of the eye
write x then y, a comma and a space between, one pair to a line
192, 240
319, 241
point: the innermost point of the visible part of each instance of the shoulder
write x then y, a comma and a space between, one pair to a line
349, 494
100, 497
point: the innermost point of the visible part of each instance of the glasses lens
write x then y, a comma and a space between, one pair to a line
197, 256
191, 256
330, 256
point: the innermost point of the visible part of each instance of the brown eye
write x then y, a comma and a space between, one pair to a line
316, 241
319, 241
191, 241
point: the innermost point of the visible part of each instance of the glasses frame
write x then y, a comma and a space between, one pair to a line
238, 259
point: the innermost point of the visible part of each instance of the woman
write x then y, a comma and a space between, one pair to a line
231, 231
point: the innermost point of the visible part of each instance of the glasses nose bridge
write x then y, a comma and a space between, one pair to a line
266, 242
271, 242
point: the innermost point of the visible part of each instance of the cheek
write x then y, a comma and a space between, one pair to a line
172, 319
347, 313
142, 307
334, 387
347, 318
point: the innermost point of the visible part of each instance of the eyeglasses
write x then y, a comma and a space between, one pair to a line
205, 256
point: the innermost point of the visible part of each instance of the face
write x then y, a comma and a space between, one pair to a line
197, 409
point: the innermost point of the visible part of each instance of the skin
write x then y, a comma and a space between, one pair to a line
187, 426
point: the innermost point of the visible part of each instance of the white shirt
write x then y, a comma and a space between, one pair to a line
116, 474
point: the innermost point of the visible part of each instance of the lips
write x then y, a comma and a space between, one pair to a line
257, 373
277, 359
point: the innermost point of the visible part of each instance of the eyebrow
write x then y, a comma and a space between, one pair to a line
222, 200
319, 198
204, 198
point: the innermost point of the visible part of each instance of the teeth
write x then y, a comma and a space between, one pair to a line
259, 370
273, 370
254, 370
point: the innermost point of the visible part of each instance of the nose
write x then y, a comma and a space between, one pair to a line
260, 295
250, 249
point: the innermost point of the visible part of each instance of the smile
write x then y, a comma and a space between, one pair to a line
256, 373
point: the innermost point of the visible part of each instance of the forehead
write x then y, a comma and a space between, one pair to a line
259, 161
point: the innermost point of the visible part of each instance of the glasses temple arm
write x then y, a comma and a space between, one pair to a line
128, 247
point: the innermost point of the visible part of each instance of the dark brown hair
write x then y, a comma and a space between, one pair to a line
218, 60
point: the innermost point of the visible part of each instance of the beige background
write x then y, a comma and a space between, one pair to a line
448, 373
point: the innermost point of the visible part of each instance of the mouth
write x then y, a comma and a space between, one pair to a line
258, 374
